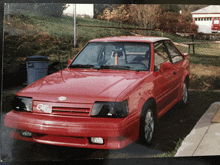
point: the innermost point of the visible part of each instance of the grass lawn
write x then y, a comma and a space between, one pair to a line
53, 37
205, 67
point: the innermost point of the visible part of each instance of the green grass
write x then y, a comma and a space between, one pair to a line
63, 27
208, 58
172, 153
205, 59
208, 49
54, 37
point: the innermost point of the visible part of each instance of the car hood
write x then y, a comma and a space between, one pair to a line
82, 85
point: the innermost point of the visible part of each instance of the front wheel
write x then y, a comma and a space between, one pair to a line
147, 125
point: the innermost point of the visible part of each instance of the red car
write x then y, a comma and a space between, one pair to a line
110, 95
215, 25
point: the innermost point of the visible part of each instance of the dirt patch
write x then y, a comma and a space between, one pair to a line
216, 118
201, 70
28, 30
19, 25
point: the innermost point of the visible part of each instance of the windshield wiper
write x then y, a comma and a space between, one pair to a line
118, 67
81, 66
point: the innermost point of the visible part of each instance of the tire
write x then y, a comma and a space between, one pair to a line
185, 94
147, 124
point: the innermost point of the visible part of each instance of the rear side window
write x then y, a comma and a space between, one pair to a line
174, 53
160, 55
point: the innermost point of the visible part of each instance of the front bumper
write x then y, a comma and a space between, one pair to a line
73, 131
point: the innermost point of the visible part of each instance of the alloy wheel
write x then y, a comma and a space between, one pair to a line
149, 125
185, 93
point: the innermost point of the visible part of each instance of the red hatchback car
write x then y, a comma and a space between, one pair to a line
110, 95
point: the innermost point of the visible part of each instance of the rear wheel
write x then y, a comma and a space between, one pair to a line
185, 94
147, 124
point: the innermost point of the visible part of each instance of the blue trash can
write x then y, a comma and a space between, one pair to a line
37, 67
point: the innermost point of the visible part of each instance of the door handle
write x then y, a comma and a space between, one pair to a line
175, 72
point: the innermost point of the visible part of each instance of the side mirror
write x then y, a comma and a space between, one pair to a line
69, 62
185, 54
164, 66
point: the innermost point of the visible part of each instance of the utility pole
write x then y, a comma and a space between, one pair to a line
75, 40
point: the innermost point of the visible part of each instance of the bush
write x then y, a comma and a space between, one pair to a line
174, 22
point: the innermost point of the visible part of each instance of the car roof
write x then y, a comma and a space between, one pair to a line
130, 39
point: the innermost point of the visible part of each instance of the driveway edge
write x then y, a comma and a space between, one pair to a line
192, 141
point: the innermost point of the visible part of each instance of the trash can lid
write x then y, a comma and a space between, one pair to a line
37, 58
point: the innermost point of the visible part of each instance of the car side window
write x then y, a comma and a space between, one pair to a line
174, 53
160, 55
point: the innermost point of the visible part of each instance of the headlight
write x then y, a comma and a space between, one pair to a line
110, 109
22, 104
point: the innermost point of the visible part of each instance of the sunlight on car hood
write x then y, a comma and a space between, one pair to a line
82, 85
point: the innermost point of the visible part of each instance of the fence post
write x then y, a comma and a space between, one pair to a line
193, 44
8, 11
189, 49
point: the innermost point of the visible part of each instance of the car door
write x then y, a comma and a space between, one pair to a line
177, 61
163, 82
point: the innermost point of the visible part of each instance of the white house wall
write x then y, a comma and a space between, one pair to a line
204, 26
81, 10
204, 22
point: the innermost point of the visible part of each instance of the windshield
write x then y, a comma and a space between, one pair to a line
114, 55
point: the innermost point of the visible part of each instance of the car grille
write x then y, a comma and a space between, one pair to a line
70, 111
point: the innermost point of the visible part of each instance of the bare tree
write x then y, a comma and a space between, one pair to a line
145, 15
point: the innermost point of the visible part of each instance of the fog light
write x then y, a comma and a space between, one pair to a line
97, 140
25, 133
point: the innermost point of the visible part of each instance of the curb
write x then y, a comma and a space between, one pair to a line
193, 140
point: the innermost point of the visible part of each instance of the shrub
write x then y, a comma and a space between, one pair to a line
174, 22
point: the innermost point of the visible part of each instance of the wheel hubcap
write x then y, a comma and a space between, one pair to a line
149, 125
184, 93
